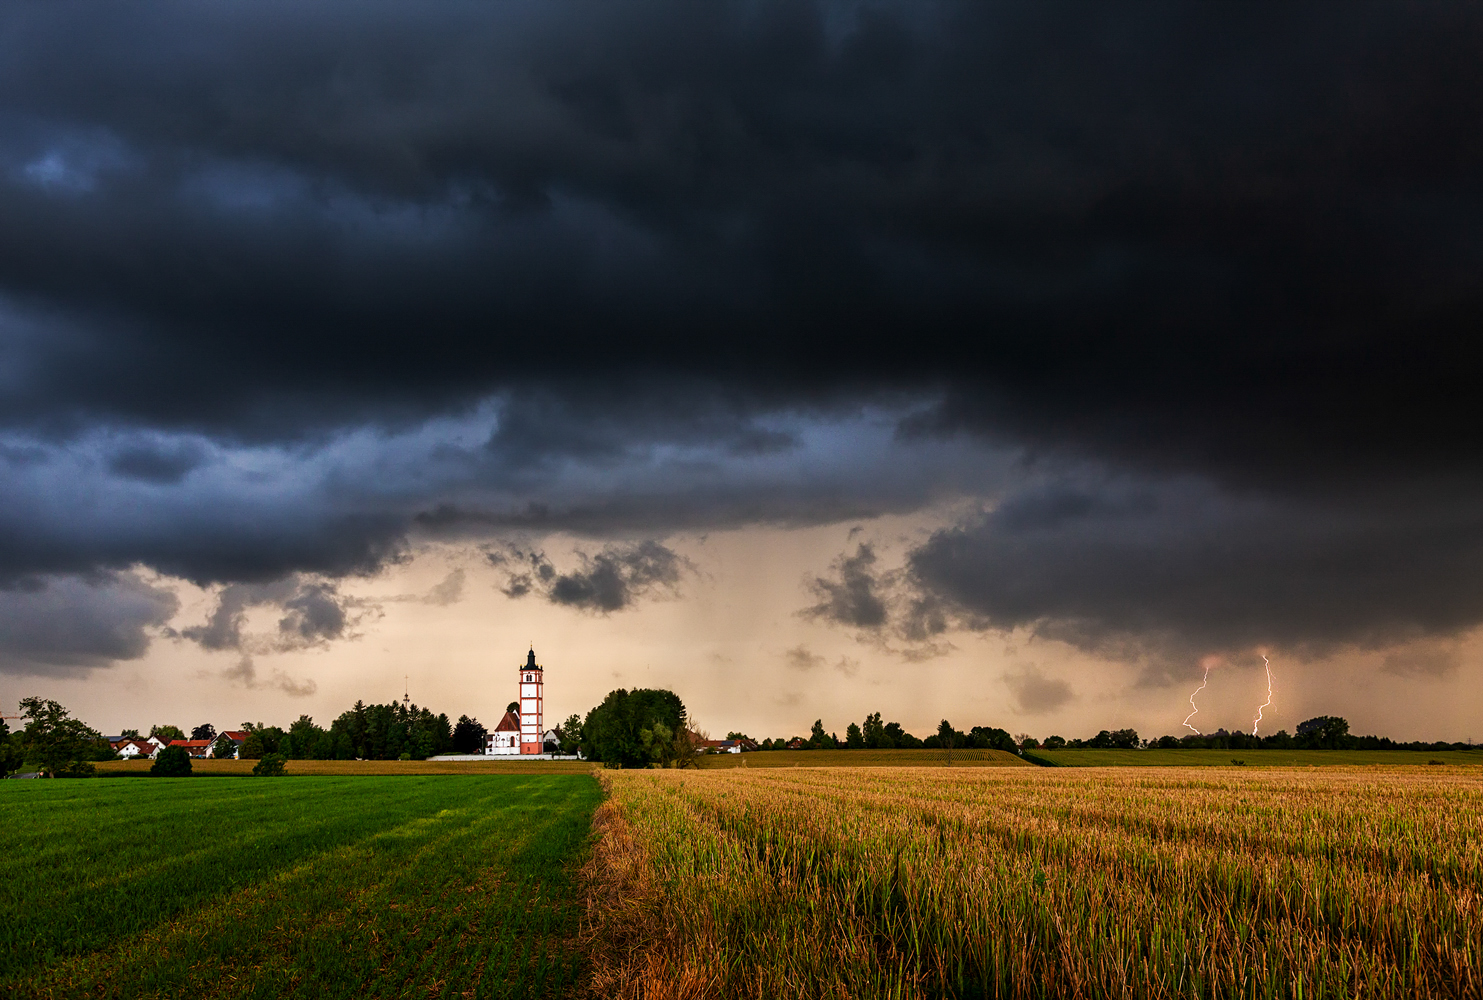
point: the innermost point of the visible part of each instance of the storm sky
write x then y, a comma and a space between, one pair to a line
1008, 362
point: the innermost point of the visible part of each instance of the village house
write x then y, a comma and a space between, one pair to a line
196, 748
728, 746
237, 736
132, 748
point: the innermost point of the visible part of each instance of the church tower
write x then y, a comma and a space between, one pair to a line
531, 696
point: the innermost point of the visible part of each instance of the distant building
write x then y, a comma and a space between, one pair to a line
196, 748
131, 748
532, 684
505, 740
520, 732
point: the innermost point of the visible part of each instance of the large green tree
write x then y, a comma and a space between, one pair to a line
58, 744
1324, 732
469, 735
11, 756
173, 762
571, 733
167, 733
613, 731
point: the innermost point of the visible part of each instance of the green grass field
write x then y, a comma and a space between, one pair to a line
1253, 758
212, 766
862, 758
322, 887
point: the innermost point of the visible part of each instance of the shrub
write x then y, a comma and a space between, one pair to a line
173, 762
272, 765
74, 769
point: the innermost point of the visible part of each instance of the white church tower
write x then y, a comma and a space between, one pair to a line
530, 704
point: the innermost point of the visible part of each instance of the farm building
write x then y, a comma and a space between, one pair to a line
196, 748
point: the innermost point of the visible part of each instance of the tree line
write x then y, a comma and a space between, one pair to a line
1322, 732
393, 731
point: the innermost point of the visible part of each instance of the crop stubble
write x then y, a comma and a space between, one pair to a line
1041, 883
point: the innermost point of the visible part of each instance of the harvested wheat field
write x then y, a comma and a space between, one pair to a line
1017, 882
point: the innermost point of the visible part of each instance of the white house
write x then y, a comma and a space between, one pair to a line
129, 749
237, 736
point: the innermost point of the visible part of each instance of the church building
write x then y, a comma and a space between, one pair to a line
522, 733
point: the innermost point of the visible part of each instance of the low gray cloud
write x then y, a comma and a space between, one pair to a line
803, 659
851, 594
880, 605
610, 580
447, 591
1434, 660
244, 672
313, 614
65, 625
1033, 692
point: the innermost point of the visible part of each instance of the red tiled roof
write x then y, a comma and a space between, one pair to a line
240, 735
510, 723
190, 743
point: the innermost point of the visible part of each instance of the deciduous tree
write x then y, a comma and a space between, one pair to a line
272, 765
173, 762
63, 747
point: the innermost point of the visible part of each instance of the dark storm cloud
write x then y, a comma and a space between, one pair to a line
1258, 217
1165, 571
611, 580
65, 625
1179, 565
1230, 247
155, 463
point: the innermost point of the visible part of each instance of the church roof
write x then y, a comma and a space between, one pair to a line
510, 723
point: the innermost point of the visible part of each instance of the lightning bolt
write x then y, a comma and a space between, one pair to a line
1192, 702
1268, 702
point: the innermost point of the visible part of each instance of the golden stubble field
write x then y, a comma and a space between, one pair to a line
1020, 882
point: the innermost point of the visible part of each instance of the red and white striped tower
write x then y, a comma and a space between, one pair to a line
530, 704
